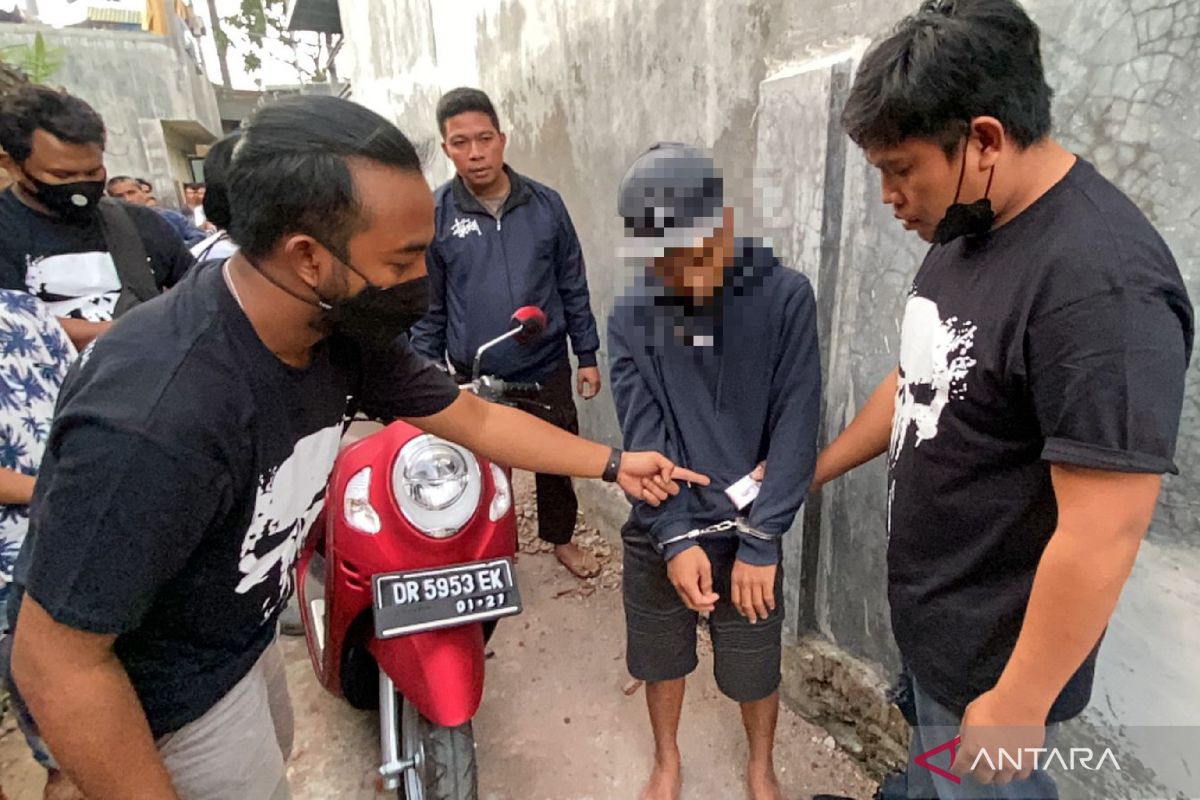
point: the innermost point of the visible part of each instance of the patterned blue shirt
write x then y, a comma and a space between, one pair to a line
34, 356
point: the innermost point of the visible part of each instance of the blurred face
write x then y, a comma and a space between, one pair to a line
193, 195
475, 146
698, 272
130, 192
919, 182
53, 161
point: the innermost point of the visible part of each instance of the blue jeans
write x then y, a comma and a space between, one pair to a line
937, 725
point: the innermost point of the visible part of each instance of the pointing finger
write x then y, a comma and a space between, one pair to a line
687, 476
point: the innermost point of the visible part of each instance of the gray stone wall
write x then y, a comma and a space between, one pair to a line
583, 87
133, 80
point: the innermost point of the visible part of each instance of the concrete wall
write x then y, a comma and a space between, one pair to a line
583, 87
133, 80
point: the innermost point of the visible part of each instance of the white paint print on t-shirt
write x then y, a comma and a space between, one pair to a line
76, 285
935, 354
289, 498
935, 359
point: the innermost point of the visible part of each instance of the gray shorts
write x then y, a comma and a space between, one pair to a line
661, 630
238, 750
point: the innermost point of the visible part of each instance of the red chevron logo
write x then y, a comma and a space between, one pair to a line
952, 746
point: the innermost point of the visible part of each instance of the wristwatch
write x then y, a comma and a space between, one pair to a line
612, 467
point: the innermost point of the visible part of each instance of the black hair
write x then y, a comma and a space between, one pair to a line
113, 181
952, 61
31, 108
216, 180
460, 101
290, 174
145, 184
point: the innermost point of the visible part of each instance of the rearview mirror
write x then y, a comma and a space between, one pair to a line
532, 322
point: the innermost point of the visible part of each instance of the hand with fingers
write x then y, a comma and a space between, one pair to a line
753, 590
998, 733
587, 383
690, 573
652, 477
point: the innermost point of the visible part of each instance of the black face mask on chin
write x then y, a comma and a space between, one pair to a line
74, 202
966, 219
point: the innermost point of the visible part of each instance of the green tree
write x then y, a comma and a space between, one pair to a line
263, 22
37, 60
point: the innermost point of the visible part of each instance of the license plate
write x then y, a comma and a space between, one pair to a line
425, 600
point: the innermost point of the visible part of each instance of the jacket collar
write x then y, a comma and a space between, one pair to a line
519, 192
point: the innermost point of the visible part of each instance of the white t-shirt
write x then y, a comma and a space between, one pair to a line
217, 246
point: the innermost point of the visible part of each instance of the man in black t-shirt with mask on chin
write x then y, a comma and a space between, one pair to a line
57, 241
1037, 400
179, 478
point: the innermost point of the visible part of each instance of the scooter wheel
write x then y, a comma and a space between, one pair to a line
360, 678
447, 768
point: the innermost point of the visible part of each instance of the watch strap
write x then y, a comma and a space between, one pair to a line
612, 467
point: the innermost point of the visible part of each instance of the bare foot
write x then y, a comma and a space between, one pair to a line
761, 783
580, 562
60, 787
666, 781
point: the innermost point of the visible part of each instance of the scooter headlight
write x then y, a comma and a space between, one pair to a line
437, 485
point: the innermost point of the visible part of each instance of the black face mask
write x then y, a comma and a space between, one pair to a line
966, 219
75, 202
374, 318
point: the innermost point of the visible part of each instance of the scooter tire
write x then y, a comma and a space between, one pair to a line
450, 771
360, 678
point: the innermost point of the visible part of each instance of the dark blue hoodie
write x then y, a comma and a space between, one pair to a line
482, 269
720, 388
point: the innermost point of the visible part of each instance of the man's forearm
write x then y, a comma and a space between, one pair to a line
81, 332
92, 722
1075, 591
865, 438
516, 439
15, 488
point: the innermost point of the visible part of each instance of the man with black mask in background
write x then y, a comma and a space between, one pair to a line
179, 480
55, 240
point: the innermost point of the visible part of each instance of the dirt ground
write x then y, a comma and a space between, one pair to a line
556, 722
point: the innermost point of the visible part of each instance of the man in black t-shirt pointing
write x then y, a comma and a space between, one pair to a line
1037, 399
179, 478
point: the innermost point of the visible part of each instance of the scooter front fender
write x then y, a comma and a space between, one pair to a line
440, 672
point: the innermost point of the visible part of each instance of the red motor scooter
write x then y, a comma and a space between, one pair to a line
401, 581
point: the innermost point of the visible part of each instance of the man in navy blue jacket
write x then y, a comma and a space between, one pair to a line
714, 361
505, 241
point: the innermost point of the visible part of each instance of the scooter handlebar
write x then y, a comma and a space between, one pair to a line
519, 389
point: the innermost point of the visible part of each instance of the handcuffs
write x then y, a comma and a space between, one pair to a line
738, 524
